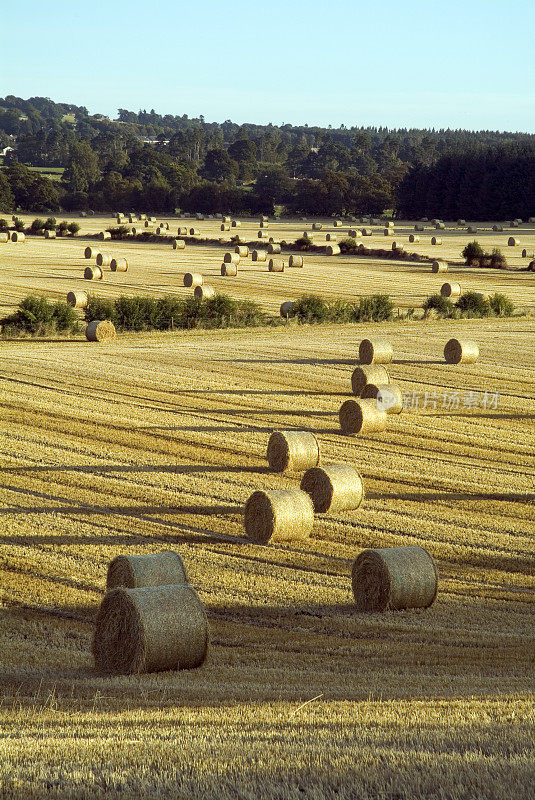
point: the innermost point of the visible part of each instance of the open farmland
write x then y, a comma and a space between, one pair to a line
155, 441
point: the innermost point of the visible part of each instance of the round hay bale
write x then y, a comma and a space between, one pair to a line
337, 487
287, 309
439, 266
439, 226
18, 236
50, 234
333, 250
148, 224
361, 416
264, 219
259, 255
295, 261
231, 258
457, 351
513, 224
263, 234
413, 239
93, 274
104, 235
183, 231
241, 250
192, 279
387, 224
419, 228
388, 396
292, 451
528, 253
236, 223
531, 219
77, 299
375, 351
278, 513
119, 265
142, 217
331, 237
450, 290
179, 244
194, 232
135, 231
150, 629
155, 569
497, 228
436, 240
317, 226
461, 223
4, 237
337, 223
100, 331
388, 231
103, 259
226, 220
398, 246
471, 229
229, 270
263, 224
159, 231
204, 292
392, 578
363, 375
274, 247
276, 265
352, 233
512, 242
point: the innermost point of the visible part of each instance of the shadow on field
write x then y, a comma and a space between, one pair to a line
418, 497
320, 361
172, 469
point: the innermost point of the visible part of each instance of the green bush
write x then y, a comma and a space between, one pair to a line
18, 225
119, 231
311, 308
471, 304
73, 228
303, 244
472, 250
376, 308
349, 245
33, 316
63, 227
50, 224
137, 313
341, 311
99, 308
171, 313
441, 305
3, 225
65, 317
37, 225
500, 305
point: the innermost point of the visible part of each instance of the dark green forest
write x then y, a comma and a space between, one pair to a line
143, 160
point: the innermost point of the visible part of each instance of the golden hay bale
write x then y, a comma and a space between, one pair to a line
4, 237
439, 226
182, 231
413, 238
259, 255
225, 226
104, 235
363, 375
512, 242
528, 253
100, 331
231, 258
150, 629
331, 237
132, 218
193, 279
392, 578
361, 416
103, 259
337, 487
439, 266
375, 351
281, 513
317, 226
226, 220
292, 450
179, 244
388, 224
388, 396
497, 227
148, 224
450, 290
461, 223
337, 223
142, 217
436, 240
159, 231
135, 231
93, 274
241, 250
50, 234
471, 229
287, 309
353, 233
263, 234
457, 351
276, 265
204, 292
274, 247
229, 270
236, 223
154, 569
295, 261
119, 265
263, 224
17, 236
531, 219
513, 224
398, 246
264, 219
77, 299
194, 232
333, 250
388, 231
419, 228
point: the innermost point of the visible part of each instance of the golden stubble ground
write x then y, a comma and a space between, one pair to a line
154, 442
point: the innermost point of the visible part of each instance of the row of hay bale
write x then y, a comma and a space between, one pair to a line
12, 236
231, 260
102, 259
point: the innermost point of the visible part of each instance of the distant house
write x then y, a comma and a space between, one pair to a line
155, 141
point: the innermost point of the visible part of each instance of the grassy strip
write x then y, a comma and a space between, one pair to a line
470, 305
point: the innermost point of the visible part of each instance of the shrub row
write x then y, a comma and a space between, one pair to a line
311, 308
40, 225
36, 316
470, 304
475, 256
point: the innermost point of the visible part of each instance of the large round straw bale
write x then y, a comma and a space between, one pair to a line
337, 223
4, 237
103, 259
100, 331
263, 224
352, 233
331, 237
204, 292
236, 223
276, 265
366, 231
259, 255
142, 217
241, 250
471, 229
363, 375
388, 396
295, 261
450, 290
281, 513
93, 273
229, 270
332, 249
419, 227
179, 244
154, 569
461, 223
375, 351
182, 231
317, 226
513, 224
457, 351
225, 226
264, 219
413, 238
50, 234
231, 258
131, 219
135, 231
388, 231
77, 299
119, 265
292, 450
287, 309
361, 416
497, 228
436, 240
194, 232
398, 246
226, 219
192, 279
274, 247
159, 231
512, 242
17, 236
104, 235
439, 226
150, 629
337, 487
148, 224
391, 578
528, 253
263, 234
439, 266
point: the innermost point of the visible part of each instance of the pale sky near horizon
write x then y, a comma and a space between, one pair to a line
418, 63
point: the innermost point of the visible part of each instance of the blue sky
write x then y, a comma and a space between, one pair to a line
417, 63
